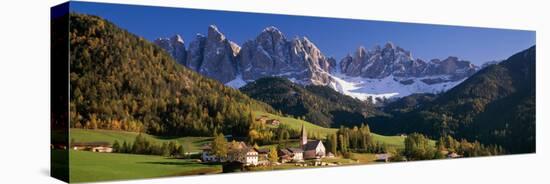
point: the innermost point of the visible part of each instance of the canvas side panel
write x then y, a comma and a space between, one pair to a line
59, 99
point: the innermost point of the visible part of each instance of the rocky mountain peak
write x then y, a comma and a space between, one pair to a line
361, 52
392, 60
272, 30
215, 34
235, 48
175, 46
211, 55
389, 45
271, 39
195, 52
272, 54
219, 60
301, 61
308, 45
177, 38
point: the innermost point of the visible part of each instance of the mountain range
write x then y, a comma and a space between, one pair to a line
121, 81
496, 105
381, 72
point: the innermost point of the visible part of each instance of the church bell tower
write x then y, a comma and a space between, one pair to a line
304, 136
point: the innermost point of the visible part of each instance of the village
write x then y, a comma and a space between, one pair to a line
310, 152
239, 155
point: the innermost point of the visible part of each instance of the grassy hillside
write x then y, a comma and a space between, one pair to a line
497, 105
319, 105
90, 166
191, 144
296, 124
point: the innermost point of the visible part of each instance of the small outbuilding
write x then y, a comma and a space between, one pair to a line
102, 147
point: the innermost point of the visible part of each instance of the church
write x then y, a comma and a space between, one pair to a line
313, 149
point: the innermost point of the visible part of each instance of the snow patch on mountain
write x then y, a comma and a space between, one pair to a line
236, 83
388, 87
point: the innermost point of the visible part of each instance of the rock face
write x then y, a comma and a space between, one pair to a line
218, 57
213, 56
381, 62
381, 72
174, 46
272, 54
195, 52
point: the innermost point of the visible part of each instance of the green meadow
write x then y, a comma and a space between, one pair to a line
191, 144
88, 166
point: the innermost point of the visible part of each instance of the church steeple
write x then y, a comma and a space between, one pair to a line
304, 136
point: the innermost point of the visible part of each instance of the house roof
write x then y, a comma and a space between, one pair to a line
295, 150
453, 155
262, 151
231, 146
239, 147
283, 152
311, 145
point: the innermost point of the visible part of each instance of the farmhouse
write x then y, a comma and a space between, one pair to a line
312, 149
263, 156
384, 157
236, 152
246, 155
297, 154
291, 155
453, 155
274, 122
265, 120
251, 156
284, 155
207, 155
102, 147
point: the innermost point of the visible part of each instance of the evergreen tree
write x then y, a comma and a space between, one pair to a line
417, 147
333, 144
219, 146
116, 147
165, 149
440, 144
125, 147
181, 152
172, 148
273, 157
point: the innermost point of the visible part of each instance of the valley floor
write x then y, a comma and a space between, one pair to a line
88, 166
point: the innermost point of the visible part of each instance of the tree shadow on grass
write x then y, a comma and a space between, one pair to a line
179, 163
169, 163
202, 168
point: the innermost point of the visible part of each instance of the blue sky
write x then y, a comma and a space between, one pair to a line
335, 37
